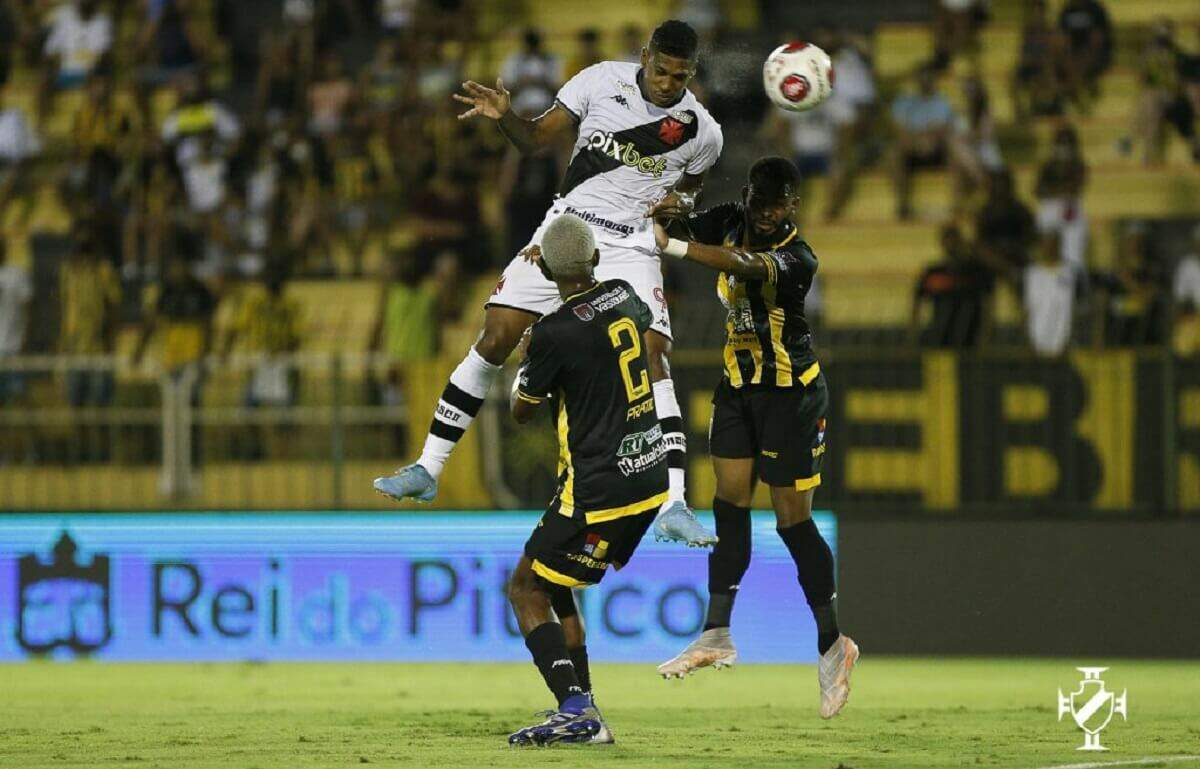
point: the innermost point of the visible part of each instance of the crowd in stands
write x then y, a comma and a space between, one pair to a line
199, 155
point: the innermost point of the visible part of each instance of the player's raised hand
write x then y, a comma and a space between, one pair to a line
531, 254
483, 100
674, 205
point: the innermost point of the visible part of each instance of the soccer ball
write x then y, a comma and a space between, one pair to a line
798, 76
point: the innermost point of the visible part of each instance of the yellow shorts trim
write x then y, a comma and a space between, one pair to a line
804, 484
634, 508
550, 575
529, 398
810, 374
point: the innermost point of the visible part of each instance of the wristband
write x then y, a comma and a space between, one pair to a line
676, 248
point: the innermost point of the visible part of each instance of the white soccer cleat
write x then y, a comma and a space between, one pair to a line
833, 673
714, 648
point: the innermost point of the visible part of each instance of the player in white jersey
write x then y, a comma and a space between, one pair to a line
643, 146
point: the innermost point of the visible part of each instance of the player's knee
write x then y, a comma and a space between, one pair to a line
658, 356
522, 587
499, 338
739, 495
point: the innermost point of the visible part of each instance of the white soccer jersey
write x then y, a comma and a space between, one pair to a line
629, 152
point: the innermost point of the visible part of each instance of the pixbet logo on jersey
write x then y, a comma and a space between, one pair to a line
627, 154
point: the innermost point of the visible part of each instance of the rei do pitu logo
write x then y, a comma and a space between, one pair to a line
1092, 707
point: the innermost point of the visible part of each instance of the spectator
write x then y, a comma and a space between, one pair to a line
528, 183
811, 140
923, 123
975, 151
18, 139
958, 288
330, 98
1049, 299
204, 173
16, 291
90, 296
1163, 99
532, 75
384, 80
1089, 39
180, 313
587, 52
80, 35
850, 106
398, 16
199, 114
1186, 291
1135, 305
1004, 229
268, 326
1042, 79
956, 26
632, 42
277, 90
1060, 184
170, 39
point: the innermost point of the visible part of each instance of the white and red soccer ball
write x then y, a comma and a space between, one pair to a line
798, 76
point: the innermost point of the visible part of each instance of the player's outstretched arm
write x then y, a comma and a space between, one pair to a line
526, 135
736, 261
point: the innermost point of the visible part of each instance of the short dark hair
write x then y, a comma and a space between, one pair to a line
774, 177
675, 38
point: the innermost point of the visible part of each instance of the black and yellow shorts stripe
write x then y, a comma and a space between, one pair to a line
781, 428
570, 551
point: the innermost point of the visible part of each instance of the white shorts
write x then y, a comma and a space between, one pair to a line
523, 287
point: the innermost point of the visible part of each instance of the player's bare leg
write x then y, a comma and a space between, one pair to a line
814, 567
460, 402
727, 564
675, 521
575, 720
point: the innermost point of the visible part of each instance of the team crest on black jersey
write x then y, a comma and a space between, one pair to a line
584, 312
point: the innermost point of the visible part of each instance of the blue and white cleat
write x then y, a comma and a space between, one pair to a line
568, 726
411, 482
677, 523
605, 735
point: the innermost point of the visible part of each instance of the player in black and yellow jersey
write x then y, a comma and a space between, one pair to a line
587, 358
768, 411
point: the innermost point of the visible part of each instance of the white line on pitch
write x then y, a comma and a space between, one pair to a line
1133, 762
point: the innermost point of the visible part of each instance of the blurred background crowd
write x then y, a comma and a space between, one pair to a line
187, 180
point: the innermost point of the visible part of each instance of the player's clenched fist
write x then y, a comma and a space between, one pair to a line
484, 101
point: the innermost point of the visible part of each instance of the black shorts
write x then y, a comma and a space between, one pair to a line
571, 552
781, 428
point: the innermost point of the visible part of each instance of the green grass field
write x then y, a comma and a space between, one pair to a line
904, 713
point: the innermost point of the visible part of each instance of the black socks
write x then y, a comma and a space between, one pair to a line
728, 561
814, 567
548, 646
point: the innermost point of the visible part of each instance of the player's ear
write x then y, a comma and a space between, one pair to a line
645, 57
745, 194
596, 257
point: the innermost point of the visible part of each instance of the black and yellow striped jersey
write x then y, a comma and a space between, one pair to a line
588, 355
767, 339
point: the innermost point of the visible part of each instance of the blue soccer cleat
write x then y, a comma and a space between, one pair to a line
677, 523
569, 725
411, 482
605, 735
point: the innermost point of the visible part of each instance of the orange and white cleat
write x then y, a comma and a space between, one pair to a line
833, 673
714, 648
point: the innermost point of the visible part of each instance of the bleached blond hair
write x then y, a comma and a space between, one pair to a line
567, 248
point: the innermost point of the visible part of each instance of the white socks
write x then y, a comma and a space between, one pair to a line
456, 409
671, 419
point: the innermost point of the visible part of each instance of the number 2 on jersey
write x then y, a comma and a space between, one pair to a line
623, 332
